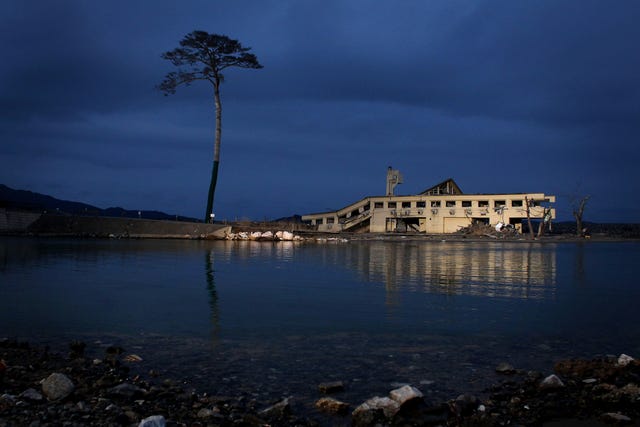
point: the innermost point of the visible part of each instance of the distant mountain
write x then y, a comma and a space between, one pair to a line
28, 200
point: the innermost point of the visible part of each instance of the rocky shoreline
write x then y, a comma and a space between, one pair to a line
40, 388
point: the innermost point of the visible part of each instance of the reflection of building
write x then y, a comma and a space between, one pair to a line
442, 208
509, 270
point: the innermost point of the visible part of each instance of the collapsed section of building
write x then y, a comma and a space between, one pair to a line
443, 208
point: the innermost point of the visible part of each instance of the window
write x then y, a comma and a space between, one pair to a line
466, 203
422, 204
378, 205
391, 205
319, 221
499, 203
516, 203
435, 204
451, 203
330, 220
483, 203
406, 204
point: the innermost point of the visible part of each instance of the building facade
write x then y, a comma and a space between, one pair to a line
443, 208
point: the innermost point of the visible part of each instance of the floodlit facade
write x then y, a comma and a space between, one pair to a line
443, 208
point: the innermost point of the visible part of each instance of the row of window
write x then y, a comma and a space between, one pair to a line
450, 204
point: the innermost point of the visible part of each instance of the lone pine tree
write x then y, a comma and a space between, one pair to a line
204, 56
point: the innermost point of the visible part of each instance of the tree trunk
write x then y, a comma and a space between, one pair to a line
577, 214
526, 202
216, 152
545, 222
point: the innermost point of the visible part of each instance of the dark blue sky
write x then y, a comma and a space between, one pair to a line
502, 96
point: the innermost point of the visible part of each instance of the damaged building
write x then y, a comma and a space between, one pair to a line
442, 208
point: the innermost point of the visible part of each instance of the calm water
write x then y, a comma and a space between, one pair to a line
267, 320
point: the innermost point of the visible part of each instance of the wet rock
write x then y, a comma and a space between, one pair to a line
466, 404
615, 418
127, 390
505, 368
279, 410
57, 386
32, 395
205, 413
551, 382
624, 360
331, 387
405, 394
374, 411
332, 406
629, 393
386, 405
153, 421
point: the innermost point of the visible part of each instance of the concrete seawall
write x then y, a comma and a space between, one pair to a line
88, 226
16, 221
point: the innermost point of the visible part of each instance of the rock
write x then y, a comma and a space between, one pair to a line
505, 368
388, 406
255, 235
551, 382
278, 410
127, 390
466, 404
629, 393
624, 360
76, 349
331, 387
332, 406
615, 418
287, 236
405, 394
57, 386
132, 358
205, 413
267, 235
590, 381
153, 421
31, 394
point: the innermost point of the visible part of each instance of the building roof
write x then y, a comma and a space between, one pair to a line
448, 186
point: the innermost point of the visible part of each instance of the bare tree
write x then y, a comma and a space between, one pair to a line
545, 222
528, 203
578, 210
203, 56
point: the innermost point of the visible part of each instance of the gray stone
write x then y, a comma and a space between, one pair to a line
127, 390
205, 413
31, 394
153, 421
624, 360
331, 387
405, 394
505, 368
551, 382
280, 409
615, 418
332, 406
388, 406
57, 386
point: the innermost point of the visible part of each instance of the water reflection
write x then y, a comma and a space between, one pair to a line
515, 271
213, 295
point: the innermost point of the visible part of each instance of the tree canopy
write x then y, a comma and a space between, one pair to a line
204, 56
